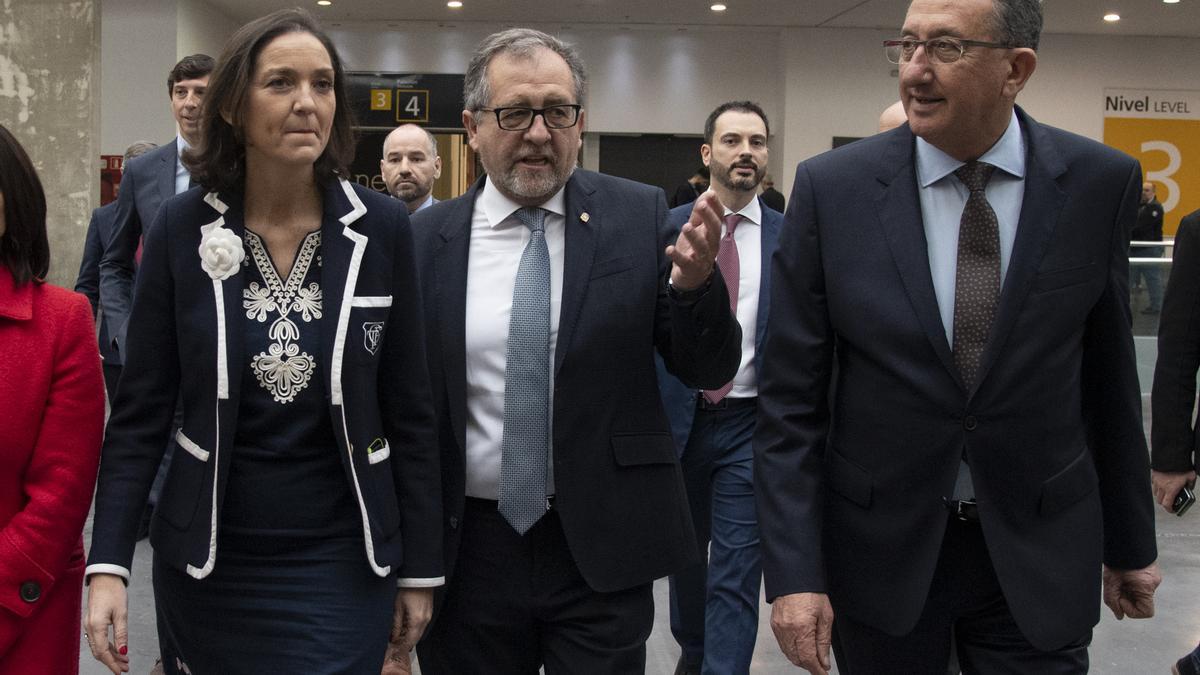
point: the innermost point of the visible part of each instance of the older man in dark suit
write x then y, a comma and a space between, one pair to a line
979, 459
88, 281
548, 291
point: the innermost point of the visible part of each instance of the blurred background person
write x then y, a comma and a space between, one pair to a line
99, 232
892, 117
770, 196
1149, 227
1174, 436
50, 428
410, 165
282, 302
692, 189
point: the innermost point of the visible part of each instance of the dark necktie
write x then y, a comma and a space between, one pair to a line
731, 269
525, 446
977, 281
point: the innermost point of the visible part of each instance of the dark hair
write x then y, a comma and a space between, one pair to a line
518, 42
24, 248
1017, 23
710, 124
704, 172
189, 68
218, 161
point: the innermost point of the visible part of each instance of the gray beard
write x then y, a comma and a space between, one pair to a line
533, 188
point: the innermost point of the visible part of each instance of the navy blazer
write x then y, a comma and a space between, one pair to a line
1174, 439
146, 182
680, 399
88, 282
185, 339
850, 481
619, 488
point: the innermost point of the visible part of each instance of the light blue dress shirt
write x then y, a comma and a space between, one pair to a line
182, 177
943, 197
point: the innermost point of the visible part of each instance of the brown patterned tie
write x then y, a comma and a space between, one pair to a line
977, 284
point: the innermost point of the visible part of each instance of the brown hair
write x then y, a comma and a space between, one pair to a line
218, 161
24, 247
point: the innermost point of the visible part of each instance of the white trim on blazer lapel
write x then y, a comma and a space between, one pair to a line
222, 392
339, 351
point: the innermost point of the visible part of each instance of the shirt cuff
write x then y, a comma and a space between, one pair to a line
103, 568
426, 582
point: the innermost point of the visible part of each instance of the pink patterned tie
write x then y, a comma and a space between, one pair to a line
731, 268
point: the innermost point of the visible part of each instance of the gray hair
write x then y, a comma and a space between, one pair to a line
429, 134
139, 148
520, 42
1017, 23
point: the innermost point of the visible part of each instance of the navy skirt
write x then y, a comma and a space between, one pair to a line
276, 606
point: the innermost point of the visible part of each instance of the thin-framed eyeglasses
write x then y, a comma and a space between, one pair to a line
517, 118
942, 49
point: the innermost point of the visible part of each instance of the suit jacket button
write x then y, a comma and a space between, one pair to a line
31, 591
969, 423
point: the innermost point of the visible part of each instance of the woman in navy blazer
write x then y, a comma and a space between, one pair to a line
280, 302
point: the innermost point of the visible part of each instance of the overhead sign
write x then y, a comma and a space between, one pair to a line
1161, 128
387, 100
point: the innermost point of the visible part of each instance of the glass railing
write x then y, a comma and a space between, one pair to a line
1149, 269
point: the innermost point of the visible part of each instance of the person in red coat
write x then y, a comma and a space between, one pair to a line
51, 423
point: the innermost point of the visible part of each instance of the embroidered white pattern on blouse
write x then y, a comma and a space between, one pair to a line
284, 370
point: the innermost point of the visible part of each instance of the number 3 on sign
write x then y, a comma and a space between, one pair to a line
1163, 176
412, 105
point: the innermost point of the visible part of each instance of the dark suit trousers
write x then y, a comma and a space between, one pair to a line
965, 607
714, 606
515, 603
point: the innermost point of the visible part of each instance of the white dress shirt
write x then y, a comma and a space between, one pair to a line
497, 240
748, 237
182, 176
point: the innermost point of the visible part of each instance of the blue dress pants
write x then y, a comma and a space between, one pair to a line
714, 606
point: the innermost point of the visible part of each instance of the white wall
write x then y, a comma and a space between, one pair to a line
137, 50
201, 29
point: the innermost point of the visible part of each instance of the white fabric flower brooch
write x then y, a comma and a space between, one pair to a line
221, 253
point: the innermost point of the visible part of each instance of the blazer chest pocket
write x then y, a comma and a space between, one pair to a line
1053, 280
612, 266
182, 490
368, 325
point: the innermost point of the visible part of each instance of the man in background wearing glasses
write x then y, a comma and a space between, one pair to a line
979, 463
548, 289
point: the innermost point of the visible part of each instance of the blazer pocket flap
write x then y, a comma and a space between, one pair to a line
376, 455
190, 446
371, 301
1068, 486
611, 266
1061, 278
848, 480
638, 449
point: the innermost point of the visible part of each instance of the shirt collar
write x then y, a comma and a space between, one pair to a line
751, 212
1008, 155
497, 207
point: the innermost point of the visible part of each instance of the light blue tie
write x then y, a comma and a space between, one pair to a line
526, 443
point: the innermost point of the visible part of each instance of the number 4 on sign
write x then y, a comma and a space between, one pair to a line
413, 105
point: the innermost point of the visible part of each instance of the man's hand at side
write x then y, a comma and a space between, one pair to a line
803, 626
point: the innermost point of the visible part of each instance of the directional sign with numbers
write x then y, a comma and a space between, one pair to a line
385, 100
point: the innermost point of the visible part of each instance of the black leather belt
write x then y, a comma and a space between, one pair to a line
727, 403
966, 510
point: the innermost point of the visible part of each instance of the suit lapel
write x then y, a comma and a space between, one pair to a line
227, 299
450, 304
579, 250
1040, 208
166, 177
899, 210
770, 242
341, 254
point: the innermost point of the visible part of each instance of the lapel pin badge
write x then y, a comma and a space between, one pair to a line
584, 216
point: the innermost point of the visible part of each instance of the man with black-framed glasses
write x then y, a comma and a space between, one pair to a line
548, 291
975, 464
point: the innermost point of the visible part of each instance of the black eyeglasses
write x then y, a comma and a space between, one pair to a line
943, 49
562, 116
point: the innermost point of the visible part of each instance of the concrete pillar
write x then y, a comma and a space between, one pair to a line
49, 63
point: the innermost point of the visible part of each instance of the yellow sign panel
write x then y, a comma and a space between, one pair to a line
381, 99
1161, 129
